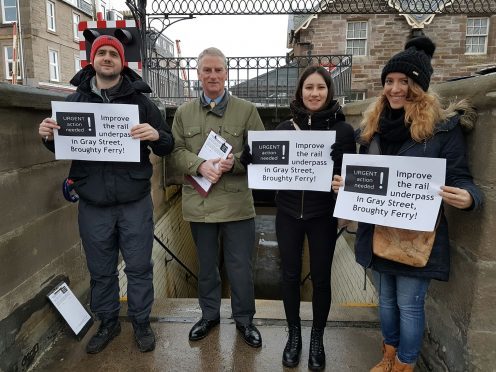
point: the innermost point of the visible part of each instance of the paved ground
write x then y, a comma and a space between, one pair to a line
352, 337
352, 341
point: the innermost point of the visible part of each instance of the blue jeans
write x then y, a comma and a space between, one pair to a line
402, 315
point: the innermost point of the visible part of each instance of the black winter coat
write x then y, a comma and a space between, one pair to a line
106, 183
310, 204
447, 142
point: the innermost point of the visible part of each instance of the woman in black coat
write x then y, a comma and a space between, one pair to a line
309, 213
407, 120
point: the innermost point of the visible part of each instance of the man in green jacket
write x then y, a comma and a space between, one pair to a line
228, 209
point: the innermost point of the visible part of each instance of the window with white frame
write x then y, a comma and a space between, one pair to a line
50, 5
477, 35
77, 63
356, 38
75, 23
53, 60
9, 11
9, 63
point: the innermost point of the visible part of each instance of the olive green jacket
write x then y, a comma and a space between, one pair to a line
229, 199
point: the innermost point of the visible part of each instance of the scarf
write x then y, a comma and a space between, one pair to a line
393, 131
321, 120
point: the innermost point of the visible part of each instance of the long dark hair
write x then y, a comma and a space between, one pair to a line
325, 75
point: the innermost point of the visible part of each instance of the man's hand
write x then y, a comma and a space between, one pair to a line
209, 169
46, 129
144, 132
225, 165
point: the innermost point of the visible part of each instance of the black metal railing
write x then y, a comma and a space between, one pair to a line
265, 81
174, 257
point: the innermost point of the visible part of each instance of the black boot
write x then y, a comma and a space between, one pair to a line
144, 336
109, 328
292, 351
316, 357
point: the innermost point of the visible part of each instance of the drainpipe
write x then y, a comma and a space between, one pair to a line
142, 25
21, 44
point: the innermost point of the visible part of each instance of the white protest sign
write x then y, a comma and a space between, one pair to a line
395, 191
291, 160
95, 131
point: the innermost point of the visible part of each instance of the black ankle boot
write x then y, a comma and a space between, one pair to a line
292, 351
316, 357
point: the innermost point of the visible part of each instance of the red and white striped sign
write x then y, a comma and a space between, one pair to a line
83, 25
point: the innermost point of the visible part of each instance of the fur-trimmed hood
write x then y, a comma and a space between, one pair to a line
462, 113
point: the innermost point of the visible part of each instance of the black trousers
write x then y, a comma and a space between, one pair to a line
106, 230
238, 242
321, 233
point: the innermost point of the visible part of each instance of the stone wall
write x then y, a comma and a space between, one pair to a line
461, 326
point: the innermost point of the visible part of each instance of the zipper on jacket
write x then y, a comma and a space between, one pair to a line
302, 198
303, 191
106, 99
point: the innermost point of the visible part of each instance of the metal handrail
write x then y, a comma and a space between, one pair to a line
175, 257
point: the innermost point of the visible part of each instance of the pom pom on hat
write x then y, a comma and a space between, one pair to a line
107, 40
414, 61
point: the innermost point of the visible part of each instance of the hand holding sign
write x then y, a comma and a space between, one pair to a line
456, 197
210, 170
337, 182
144, 132
225, 165
46, 129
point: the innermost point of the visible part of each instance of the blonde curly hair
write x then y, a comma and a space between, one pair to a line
423, 110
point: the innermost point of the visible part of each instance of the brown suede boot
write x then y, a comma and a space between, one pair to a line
387, 362
402, 367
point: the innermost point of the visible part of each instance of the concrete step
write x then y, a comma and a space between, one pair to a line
352, 340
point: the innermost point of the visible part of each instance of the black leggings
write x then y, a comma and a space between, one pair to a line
321, 233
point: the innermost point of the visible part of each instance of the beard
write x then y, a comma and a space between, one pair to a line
108, 76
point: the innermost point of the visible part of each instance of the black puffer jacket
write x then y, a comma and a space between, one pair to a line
109, 183
310, 204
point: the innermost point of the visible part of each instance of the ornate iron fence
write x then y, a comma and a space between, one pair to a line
265, 81
166, 74
233, 7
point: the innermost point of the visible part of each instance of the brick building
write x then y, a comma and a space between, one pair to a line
48, 44
465, 44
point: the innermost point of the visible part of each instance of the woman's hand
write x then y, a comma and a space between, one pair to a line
456, 197
337, 182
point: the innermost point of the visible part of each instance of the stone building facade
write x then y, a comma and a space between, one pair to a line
49, 46
465, 45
